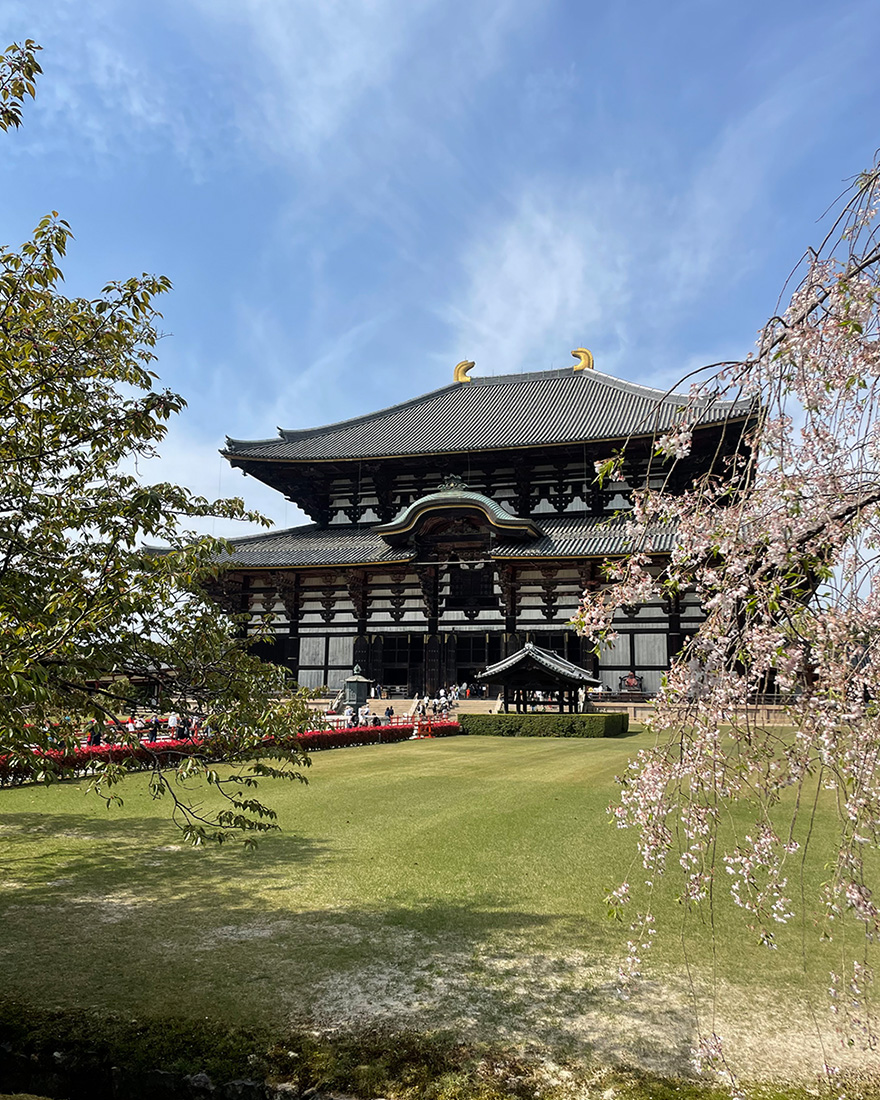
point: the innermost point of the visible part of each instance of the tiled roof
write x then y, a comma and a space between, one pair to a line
542, 657
513, 410
314, 545
581, 536
311, 545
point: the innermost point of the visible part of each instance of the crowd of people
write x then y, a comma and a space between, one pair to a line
176, 727
364, 716
426, 706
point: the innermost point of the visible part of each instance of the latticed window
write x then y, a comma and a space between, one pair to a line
401, 649
471, 649
470, 586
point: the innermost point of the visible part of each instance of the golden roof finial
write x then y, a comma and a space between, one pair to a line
461, 371
585, 357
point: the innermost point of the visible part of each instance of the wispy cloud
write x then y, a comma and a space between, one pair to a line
342, 78
791, 100
192, 459
545, 278
325, 388
101, 95
303, 68
94, 79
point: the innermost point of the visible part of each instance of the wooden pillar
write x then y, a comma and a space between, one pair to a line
358, 584
377, 664
509, 583
549, 591
450, 659
672, 607
288, 587
432, 664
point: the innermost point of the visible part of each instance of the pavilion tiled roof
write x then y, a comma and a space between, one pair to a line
553, 663
512, 410
348, 544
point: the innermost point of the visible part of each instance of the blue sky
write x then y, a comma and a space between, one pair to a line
350, 196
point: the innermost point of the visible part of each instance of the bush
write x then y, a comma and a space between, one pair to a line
545, 725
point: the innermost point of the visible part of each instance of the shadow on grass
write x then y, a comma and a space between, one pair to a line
125, 917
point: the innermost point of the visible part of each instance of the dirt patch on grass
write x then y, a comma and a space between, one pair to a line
568, 1004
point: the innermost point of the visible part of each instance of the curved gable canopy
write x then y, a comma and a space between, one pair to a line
453, 498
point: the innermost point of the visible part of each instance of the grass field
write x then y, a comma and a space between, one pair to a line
450, 883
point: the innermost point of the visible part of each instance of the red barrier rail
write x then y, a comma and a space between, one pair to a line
85, 759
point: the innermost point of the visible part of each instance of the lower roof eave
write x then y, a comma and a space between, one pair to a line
270, 567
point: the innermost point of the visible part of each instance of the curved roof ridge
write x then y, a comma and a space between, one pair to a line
651, 392
496, 411
270, 533
290, 434
455, 494
252, 442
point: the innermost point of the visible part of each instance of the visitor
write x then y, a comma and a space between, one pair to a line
348, 715
364, 715
172, 724
154, 728
389, 714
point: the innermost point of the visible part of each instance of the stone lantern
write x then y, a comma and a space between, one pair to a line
357, 689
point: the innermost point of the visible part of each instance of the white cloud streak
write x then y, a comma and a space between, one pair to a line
346, 79
539, 282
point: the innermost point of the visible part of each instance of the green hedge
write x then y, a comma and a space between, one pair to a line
545, 725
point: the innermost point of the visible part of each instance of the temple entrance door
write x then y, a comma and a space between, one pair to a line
473, 653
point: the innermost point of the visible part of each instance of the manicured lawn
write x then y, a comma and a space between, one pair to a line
450, 883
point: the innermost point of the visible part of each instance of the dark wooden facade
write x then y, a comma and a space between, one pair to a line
424, 568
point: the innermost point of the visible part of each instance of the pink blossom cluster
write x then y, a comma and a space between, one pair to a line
708, 1056
780, 542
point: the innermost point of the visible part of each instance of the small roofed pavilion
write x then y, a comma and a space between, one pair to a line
532, 669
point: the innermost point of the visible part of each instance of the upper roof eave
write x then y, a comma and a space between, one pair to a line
543, 408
